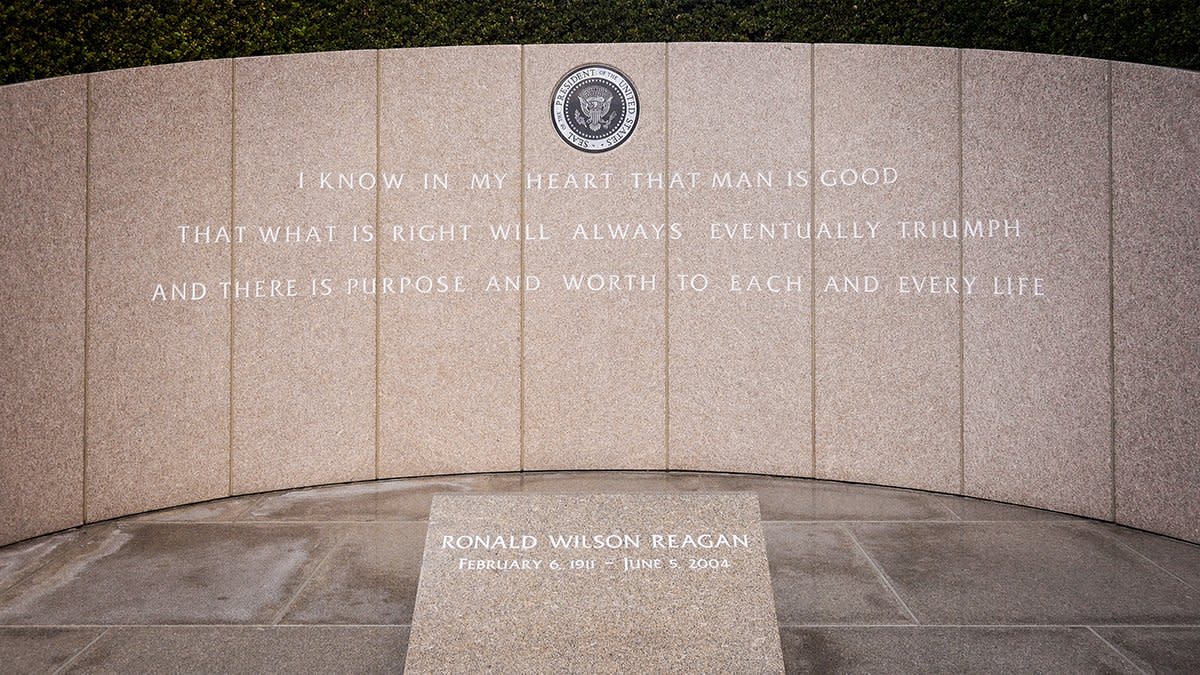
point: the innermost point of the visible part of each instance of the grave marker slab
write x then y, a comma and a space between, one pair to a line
596, 583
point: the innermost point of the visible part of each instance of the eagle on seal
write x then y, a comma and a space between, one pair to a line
594, 102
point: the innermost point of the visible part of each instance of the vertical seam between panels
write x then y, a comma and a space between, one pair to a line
1112, 318
962, 340
521, 229
87, 226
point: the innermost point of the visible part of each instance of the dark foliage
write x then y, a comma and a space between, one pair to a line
43, 39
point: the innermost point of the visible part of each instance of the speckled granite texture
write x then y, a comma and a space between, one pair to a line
449, 363
158, 369
42, 299
303, 399
890, 357
1075, 392
594, 375
584, 582
1156, 279
1036, 371
740, 362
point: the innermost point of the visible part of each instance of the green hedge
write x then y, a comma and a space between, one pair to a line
44, 39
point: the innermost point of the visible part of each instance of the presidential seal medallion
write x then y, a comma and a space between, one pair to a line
594, 108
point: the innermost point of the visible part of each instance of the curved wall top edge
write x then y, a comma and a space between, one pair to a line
827, 353
587, 44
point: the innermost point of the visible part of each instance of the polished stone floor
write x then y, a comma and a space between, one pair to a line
866, 579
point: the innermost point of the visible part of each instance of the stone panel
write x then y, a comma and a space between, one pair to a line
449, 362
42, 234
740, 358
885, 222
1036, 367
158, 366
1156, 269
594, 371
304, 366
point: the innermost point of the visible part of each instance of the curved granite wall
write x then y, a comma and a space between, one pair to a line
965, 271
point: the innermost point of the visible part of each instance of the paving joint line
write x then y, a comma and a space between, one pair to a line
843, 521
63, 668
996, 626
311, 575
1120, 653
1188, 626
129, 626
1116, 540
946, 507
882, 576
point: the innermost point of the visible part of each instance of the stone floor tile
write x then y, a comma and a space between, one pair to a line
1178, 557
247, 649
19, 560
160, 573
1023, 573
41, 650
369, 578
917, 649
820, 577
1158, 650
789, 499
402, 499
